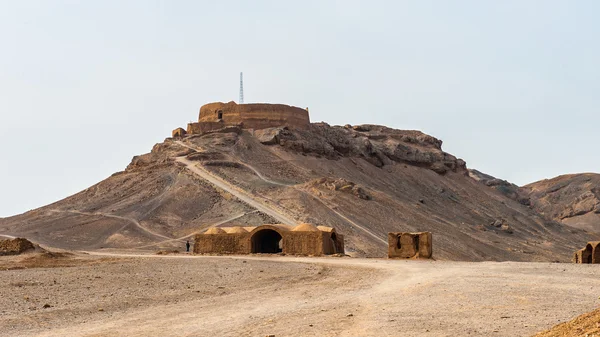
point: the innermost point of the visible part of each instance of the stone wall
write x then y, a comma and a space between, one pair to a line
410, 245
15, 246
255, 116
222, 244
199, 128
304, 243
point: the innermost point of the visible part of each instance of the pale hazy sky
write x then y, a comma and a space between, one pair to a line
512, 87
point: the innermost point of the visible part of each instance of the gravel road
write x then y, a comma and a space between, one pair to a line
181, 295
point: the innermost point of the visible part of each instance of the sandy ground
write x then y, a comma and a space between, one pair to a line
180, 295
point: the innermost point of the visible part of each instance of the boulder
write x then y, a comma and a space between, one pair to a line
342, 185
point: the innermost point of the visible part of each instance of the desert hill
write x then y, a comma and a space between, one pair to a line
573, 199
363, 180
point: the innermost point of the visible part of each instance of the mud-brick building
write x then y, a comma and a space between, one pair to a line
178, 133
410, 245
589, 254
304, 239
215, 116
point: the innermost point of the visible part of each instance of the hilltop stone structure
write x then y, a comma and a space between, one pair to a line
410, 245
178, 133
215, 116
304, 239
589, 254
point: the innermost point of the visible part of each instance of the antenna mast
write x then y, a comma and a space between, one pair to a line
241, 88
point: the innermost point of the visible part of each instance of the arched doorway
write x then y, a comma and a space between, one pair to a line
586, 255
267, 241
334, 243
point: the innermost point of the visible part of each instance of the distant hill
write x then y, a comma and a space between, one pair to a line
363, 180
573, 199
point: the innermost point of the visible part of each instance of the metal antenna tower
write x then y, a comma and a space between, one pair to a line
241, 88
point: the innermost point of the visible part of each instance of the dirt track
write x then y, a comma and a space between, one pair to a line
286, 296
252, 201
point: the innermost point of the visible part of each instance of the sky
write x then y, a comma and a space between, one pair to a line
511, 87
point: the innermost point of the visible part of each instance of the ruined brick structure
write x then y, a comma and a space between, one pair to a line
410, 245
178, 133
589, 254
304, 239
15, 246
214, 116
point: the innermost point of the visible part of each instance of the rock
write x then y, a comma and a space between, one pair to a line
273, 136
506, 228
361, 128
268, 136
584, 203
378, 145
439, 168
46, 306
349, 315
524, 201
497, 182
508, 189
341, 185
572, 198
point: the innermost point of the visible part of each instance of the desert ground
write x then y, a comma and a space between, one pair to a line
108, 293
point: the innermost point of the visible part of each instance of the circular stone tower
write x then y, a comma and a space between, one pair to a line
255, 116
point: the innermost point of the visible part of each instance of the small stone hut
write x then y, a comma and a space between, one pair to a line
178, 133
304, 239
589, 254
410, 245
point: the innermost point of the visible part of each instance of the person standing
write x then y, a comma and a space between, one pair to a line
187, 246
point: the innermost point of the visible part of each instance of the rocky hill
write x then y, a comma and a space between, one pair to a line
363, 180
573, 199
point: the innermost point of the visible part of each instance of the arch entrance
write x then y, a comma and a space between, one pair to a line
586, 256
267, 241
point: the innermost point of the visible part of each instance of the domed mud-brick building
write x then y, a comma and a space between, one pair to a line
218, 115
304, 239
